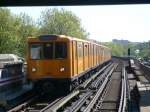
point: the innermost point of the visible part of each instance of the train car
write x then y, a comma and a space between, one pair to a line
59, 62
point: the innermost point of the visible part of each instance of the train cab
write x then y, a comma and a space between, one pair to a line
49, 60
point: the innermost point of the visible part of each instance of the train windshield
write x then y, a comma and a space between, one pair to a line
47, 51
41, 51
60, 50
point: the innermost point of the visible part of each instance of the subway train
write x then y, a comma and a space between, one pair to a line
61, 63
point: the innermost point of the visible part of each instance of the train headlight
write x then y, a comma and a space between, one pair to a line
33, 69
62, 69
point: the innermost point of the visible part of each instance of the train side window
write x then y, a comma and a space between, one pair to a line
85, 50
60, 50
92, 50
48, 51
89, 50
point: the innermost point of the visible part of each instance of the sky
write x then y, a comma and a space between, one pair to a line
106, 22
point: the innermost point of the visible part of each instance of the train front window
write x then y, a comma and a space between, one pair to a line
60, 50
36, 51
48, 51
42, 51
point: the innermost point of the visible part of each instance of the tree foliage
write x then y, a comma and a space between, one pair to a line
6, 31
26, 28
14, 31
121, 50
54, 21
117, 49
144, 49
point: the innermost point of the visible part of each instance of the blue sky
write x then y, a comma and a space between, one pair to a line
106, 22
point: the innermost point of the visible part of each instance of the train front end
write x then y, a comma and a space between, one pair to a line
48, 61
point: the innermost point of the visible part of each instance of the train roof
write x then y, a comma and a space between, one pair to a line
53, 36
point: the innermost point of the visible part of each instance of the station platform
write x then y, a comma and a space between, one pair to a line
144, 90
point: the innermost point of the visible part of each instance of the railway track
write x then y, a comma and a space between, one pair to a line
122, 104
81, 99
88, 97
114, 98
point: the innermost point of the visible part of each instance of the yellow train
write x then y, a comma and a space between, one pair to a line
59, 62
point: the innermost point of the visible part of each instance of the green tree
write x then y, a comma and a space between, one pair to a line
54, 21
7, 31
25, 28
144, 49
14, 31
117, 49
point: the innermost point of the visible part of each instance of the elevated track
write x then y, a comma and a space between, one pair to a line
106, 87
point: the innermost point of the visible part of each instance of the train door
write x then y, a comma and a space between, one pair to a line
80, 57
94, 55
85, 57
104, 55
100, 54
74, 58
91, 56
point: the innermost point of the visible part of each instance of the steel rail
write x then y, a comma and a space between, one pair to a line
51, 104
101, 77
122, 94
76, 106
125, 91
84, 84
99, 92
62, 102
23, 105
122, 104
100, 101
